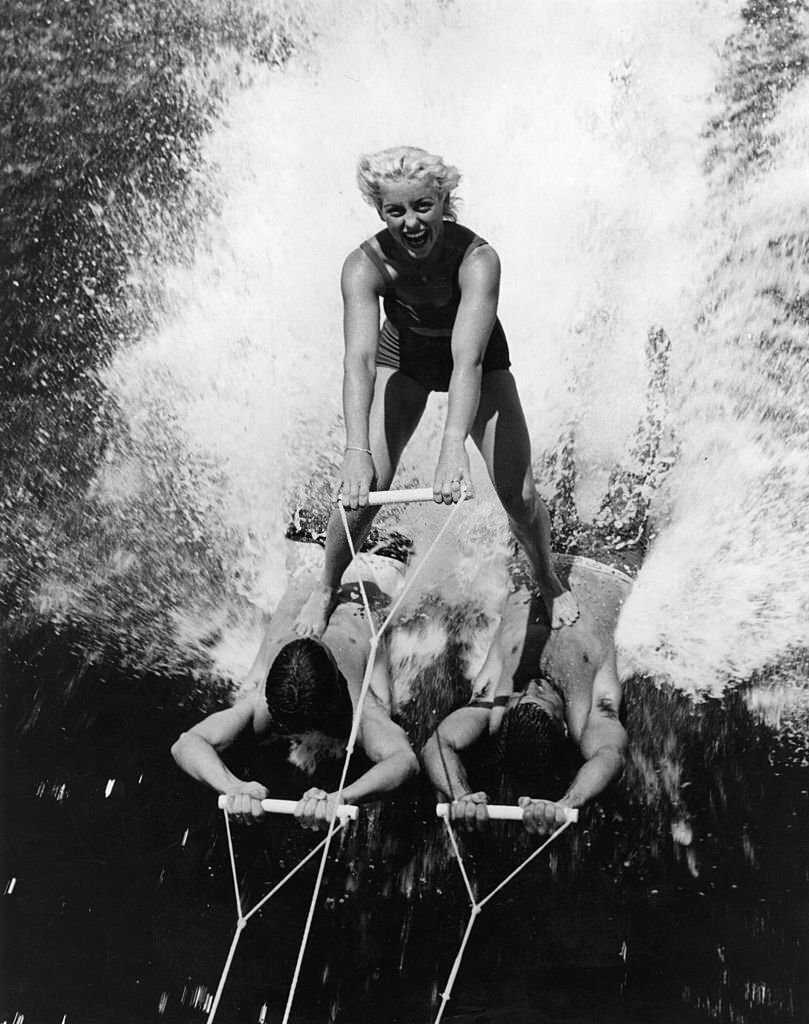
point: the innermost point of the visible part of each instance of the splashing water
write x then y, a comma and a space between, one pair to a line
581, 135
724, 591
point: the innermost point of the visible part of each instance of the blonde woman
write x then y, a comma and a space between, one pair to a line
438, 283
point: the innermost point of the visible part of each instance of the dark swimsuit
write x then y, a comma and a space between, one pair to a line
420, 309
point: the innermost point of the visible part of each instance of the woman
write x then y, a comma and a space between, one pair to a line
439, 285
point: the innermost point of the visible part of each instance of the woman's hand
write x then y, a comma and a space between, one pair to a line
452, 474
356, 478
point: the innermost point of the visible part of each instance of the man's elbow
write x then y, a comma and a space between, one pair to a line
438, 746
180, 748
410, 765
614, 754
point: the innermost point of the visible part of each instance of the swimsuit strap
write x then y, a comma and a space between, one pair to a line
476, 243
374, 254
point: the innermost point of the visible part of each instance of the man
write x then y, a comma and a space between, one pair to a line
536, 688
306, 689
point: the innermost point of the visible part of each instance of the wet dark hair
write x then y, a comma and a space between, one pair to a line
531, 747
305, 691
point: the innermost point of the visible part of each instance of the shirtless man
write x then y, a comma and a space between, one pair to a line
306, 689
535, 687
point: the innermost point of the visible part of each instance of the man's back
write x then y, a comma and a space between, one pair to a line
570, 657
347, 636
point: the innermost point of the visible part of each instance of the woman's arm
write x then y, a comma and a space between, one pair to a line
361, 289
479, 279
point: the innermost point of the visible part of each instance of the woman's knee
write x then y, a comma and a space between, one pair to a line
519, 500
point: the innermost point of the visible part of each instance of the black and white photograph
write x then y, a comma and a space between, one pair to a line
404, 511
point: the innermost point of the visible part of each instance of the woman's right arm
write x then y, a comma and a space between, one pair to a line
361, 290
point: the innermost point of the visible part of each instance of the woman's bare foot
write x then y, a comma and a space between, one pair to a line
565, 610
314, 615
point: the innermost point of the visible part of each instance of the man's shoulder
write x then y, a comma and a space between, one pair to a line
259, 714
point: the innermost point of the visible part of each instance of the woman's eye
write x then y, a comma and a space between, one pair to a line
394, 211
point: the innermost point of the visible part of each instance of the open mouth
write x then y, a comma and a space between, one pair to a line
417, 239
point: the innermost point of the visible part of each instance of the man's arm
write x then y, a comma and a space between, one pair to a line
603, 744
464, 726
197, 752
384, 742
441, 753
445, 769
387, 746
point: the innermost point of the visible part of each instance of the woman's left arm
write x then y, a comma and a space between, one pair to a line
479, 280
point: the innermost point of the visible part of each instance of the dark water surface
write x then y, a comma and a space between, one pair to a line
119, 906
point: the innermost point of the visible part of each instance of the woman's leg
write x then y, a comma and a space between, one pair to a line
396, 409
501, 434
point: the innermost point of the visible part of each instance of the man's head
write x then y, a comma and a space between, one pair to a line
531, 742
307, 692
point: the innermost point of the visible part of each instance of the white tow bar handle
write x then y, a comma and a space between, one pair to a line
274, 806
508, 812
405, 497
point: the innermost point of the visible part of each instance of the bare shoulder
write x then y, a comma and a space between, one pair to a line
222, 728
479, 274
360, 276
260, 713
481, 263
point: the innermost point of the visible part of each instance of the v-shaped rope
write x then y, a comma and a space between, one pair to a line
476, 904
241, 917
343, 811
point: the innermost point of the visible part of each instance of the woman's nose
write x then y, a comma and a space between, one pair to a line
411, 219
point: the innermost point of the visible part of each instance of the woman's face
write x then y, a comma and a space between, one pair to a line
413, 212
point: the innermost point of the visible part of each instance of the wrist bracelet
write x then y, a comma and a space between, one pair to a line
354, 448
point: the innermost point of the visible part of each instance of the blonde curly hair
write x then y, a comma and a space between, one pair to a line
407, 163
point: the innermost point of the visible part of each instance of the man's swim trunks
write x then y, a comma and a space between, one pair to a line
420, 309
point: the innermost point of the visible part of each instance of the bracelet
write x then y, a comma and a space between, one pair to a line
354, 448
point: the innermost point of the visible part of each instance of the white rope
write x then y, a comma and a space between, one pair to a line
242, 918
478, 905
355, 723
232, 855
335, 824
